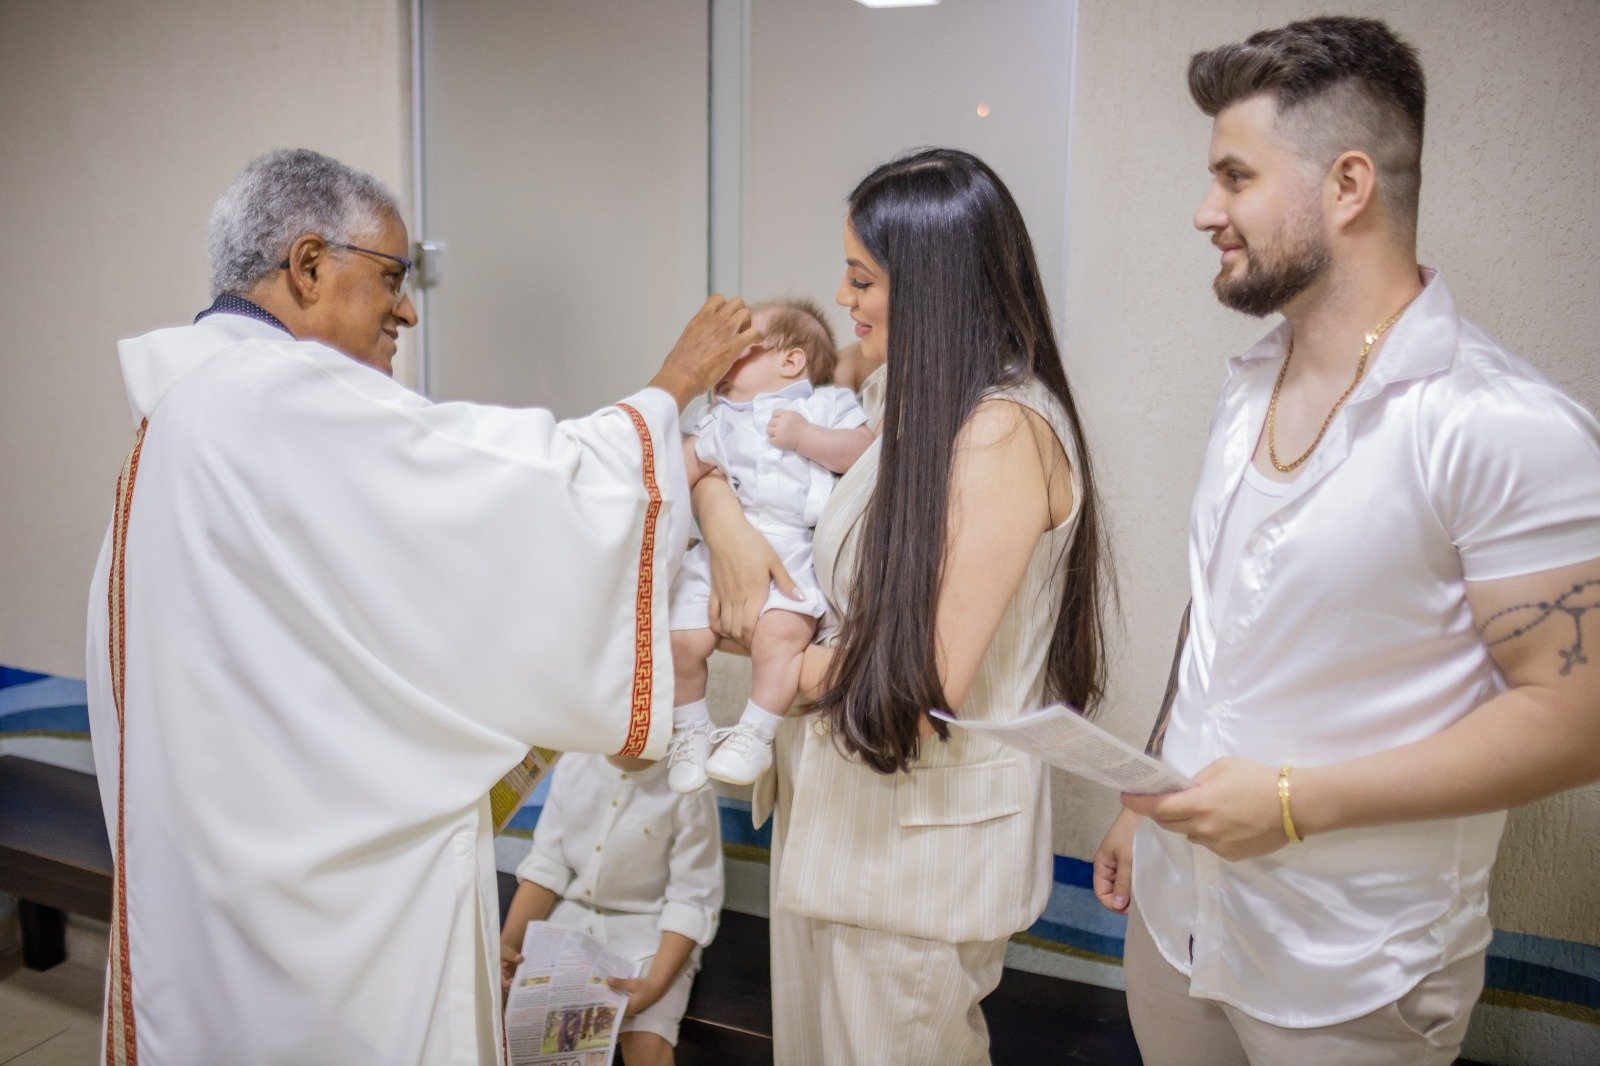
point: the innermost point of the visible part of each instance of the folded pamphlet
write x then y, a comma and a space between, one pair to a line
1064, 738
560, 1010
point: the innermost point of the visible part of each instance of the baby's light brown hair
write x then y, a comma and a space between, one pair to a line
799, 323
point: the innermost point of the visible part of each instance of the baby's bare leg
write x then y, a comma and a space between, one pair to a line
690, 650
776, 649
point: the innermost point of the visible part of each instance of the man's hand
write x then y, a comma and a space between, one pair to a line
786, 428
1113, 864
1233, 809
510, 959
711, 341
642, 992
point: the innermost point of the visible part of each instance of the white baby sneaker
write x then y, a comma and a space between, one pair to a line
741, 755
686, 759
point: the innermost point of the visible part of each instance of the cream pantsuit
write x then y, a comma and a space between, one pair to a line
894, 895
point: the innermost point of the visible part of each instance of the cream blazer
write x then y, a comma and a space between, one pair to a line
959, 847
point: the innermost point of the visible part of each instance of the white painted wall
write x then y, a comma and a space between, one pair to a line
565, 153
834, 89
123, 120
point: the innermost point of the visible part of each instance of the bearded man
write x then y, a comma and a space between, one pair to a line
1394, 559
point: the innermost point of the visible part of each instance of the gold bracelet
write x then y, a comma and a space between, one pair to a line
1283, 802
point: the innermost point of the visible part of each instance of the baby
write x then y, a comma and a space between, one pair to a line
780, 433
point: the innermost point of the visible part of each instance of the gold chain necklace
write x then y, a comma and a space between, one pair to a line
1272, 407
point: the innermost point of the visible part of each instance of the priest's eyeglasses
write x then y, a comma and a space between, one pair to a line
399, 284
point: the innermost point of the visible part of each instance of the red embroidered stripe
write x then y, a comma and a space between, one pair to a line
122, 1045
643, 657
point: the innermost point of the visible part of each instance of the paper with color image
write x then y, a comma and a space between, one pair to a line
560, 1011
1065, 739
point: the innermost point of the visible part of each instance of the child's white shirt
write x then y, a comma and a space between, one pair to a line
645, 859
782, 492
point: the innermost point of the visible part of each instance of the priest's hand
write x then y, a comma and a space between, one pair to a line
1233, 809
717, 335
1113, 864
642, 992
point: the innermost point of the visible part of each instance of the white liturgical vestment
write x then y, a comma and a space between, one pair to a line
329, 615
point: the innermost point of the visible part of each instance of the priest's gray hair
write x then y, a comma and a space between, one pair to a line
280, 197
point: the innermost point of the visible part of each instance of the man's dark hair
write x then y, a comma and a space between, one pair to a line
1341, 84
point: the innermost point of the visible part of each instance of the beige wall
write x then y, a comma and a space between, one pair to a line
1508, 214
123, 121
835, 89
565, 168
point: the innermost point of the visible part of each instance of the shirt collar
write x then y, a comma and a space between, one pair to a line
229, 304
799, 390
1422, 342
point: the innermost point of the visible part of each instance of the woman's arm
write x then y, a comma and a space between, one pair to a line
743, 564
694, 468
1000, 505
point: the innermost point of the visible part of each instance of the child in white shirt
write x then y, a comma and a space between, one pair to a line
621, 856
780, 434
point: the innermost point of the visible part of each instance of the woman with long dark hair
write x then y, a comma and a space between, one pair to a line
963, 553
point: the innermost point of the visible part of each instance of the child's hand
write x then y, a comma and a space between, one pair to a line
510, 959
642, 992
785, 429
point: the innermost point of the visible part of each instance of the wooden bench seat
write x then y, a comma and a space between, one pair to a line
54, 853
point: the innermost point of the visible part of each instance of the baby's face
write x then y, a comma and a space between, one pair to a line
758, 369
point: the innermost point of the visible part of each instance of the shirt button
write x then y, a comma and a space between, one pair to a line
646, 830
597, 847
1217, 710
613, 803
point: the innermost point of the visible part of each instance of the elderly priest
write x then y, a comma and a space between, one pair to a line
328, 616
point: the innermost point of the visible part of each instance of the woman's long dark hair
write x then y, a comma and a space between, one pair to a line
966, 313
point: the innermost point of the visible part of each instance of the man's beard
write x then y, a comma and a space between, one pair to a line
1272, 277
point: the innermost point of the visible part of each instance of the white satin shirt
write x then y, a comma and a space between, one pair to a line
1346, 631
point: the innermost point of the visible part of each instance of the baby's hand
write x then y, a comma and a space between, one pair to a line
785, 429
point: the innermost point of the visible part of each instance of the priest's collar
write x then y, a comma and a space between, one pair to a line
229, 304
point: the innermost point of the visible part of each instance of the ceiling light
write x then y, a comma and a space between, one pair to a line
897, 3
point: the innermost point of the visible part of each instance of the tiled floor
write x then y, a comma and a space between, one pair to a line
50, 1018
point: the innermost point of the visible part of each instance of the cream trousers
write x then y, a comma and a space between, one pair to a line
1424, 1027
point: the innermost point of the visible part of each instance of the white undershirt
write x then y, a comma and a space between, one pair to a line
1256, 498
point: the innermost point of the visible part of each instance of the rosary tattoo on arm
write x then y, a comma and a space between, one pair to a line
1513, 622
